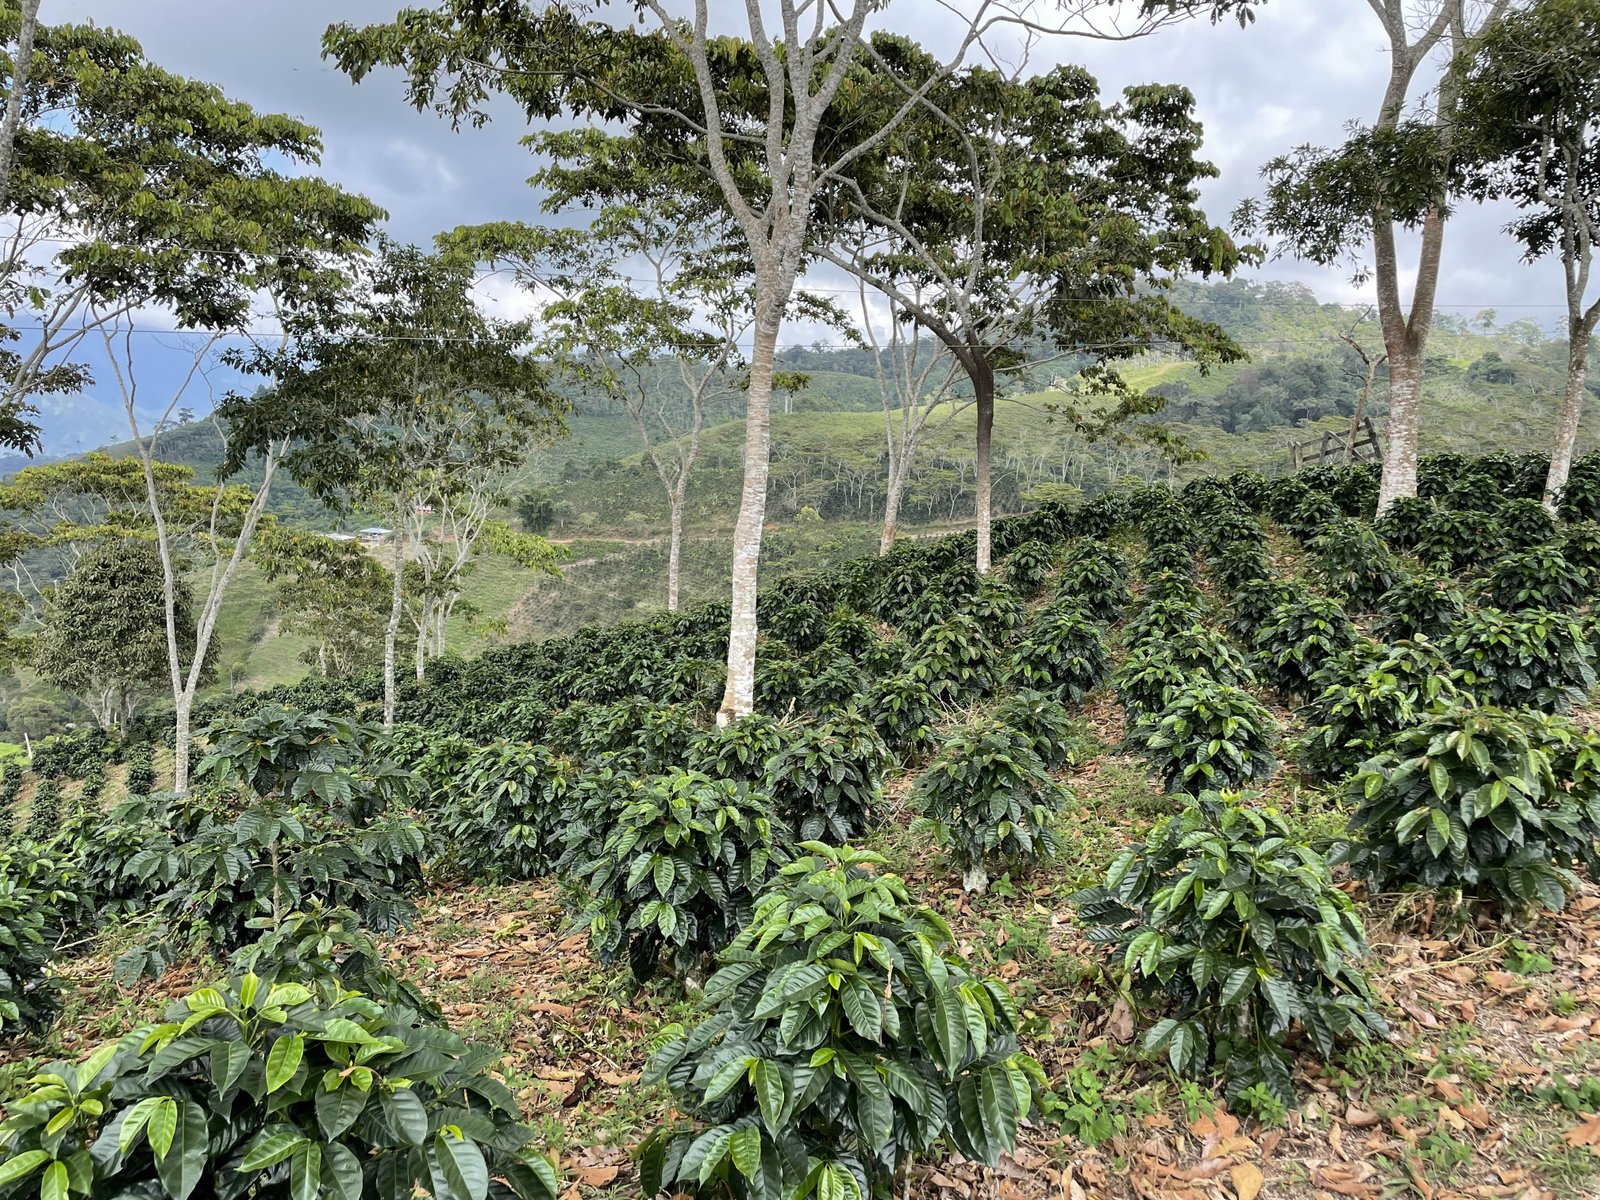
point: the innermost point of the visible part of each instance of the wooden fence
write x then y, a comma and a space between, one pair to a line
1330, 448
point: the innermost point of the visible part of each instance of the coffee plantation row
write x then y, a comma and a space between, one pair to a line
1430, 661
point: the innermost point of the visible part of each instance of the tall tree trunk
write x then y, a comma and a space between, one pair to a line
23, 65
391, 633
424, 633
674, 549
1405, 336
738, 699
181, 737
983, 392
1580, 332
1400, 446
891, 506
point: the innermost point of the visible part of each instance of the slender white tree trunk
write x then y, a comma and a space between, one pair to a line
674, 549
1571, 412
891, 506
424, 635
983, 386
1400, 446
391, 633
738, 699
23, 65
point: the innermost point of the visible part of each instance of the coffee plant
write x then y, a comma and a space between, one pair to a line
33, 892
826, 1074
1466, 800
1028, 567
1253, 602
678, 873
1457, 538
1580, 546
1353, 561
826, 781
1064, 653
989, 800
1298, 638
1528, 659
1096, 575
1371, 693
505, 812
1403, 522
1580, 497
274, 1090
956, 659
1045, 722
739, 751
1158, 620
1424, 605
1209, 736
1538, 577
1525, 522
902, 710
1232, 937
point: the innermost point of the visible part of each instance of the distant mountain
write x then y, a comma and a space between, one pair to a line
74, 425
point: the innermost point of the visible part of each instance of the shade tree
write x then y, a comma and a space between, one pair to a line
414, 403
1332, 204
745, 111
1529, 121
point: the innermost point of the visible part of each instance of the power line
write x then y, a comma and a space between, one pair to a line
1281, 301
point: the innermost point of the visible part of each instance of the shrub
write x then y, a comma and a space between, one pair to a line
1168, 558
302, 807
1353, 561
1525, 522
1209, 735
32, 894
44, 810
1466, 800
1045, 722
996, 607
1232, 933
1166, 522
1171, 586
1153, 671
324, 947
251, 1089
830, 679
1157, 620
74, 755
1097, 575
1231, 529
826, 782
1029, 567
1528, 659
739, 751
956, 659
1580, 496
802, 625
1403, 522
1369, 695
1314, 513
1580, 546
1425, 605
1240, 563
678, 874
1253, 601
902, 710
824, 1074
141, 778
648, 735
504, 816
1298, 638
1457, 538
1538, 577
989, 799
1064, 654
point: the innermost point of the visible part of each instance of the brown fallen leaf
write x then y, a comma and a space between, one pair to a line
1585, 1133
596, 1176
1247, 1180
1359, 1118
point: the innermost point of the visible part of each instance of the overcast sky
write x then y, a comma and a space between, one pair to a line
1298, 75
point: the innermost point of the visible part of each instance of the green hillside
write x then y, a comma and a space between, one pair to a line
1489, 387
